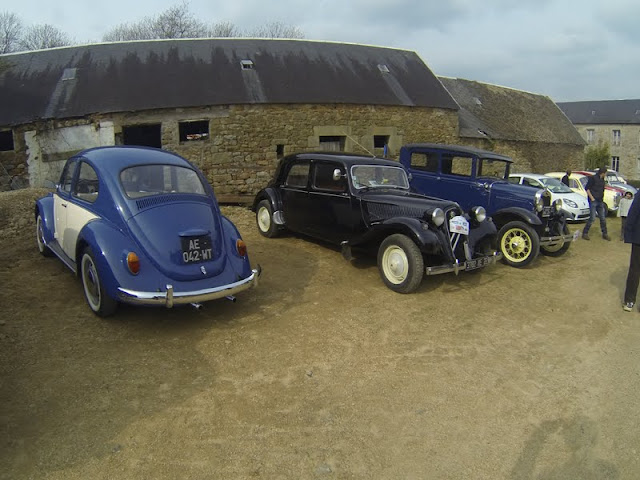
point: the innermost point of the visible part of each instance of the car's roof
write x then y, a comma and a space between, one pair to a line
461, 148
531, 175
113, 159
562, 174
346, 158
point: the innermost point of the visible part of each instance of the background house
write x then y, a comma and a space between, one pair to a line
528, 127
616, 122
232, 106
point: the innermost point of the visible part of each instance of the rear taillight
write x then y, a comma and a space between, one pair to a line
241, 247
133, 262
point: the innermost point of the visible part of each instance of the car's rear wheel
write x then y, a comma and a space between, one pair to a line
264, 219
42, 247
98, 300
519, 244
400, 263
557, 249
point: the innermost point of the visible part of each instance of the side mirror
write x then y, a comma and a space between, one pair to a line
337, 174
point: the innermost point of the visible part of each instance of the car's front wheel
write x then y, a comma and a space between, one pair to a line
42, 246
98, 300
400, 263
519, 244
557, 249
264, 219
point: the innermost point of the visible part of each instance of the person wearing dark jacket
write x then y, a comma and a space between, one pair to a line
565, 179
632, 236
595, 192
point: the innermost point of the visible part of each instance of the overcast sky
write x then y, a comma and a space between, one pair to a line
565, 49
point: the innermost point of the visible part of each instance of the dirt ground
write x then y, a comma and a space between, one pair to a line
322, 372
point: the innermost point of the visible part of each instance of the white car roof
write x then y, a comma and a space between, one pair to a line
562, 174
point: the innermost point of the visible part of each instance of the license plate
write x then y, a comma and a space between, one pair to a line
547, 211
477, 263
196, 249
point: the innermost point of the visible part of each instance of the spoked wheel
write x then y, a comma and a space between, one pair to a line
264, 219
42, 247
557, 249
519, 244
400, 263
101, 304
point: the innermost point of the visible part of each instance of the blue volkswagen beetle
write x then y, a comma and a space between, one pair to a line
141, 226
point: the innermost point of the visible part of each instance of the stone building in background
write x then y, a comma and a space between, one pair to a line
231, 106
528, 127
616, 122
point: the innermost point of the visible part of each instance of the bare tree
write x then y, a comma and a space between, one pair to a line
178, 22
43, 36
11, 28
126, 31
277, 30
224, 29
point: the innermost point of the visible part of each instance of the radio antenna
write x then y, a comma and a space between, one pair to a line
359, 144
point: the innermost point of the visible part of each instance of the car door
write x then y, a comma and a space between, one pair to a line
61, 200
330, 205
84, 193
295, 196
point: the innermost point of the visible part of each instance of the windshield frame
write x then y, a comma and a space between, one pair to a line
353, 177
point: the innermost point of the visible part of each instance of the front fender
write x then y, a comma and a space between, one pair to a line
505, 215
425, 238
44, 207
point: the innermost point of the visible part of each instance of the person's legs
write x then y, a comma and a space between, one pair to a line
601, 208
633, 276
592, 217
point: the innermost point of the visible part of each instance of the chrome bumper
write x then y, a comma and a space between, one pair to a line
463, 266
545, 241
171, 298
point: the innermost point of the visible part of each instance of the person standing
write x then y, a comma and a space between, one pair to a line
623, 211
595, 192
565, 179
632, 236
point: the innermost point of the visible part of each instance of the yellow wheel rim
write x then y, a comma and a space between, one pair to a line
516, 245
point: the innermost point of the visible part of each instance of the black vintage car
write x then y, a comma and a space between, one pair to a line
365, 203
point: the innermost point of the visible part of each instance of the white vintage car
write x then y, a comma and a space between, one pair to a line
574, 205
578, 183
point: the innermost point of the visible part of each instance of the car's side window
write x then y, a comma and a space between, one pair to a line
67, 176
455, 165
427, 162
298, 175
323, 178
87, 185
515, 180
531, 182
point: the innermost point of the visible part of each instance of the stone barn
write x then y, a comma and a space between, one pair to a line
526, 126
232, 106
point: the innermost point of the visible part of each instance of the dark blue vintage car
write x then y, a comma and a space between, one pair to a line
527, 220
141, 226
363, 203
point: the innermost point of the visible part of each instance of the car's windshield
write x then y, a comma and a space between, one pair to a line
554, 185
583, 181
378, 176
493, 168
613, 178
146, 180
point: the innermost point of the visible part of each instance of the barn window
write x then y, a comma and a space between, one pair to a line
194, 130
332, 143
246, 64
143, 135
379, 141
280, 150
6, 141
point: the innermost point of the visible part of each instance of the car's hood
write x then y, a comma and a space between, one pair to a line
160, 231
580, 200
386, 203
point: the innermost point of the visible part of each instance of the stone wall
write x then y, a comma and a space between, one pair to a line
244, 143
535, 157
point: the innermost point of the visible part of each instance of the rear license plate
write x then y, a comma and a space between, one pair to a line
196, 249
477, 263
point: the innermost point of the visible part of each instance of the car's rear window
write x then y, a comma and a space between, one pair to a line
145, 180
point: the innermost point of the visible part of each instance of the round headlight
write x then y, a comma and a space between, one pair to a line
558, 205
479, 213
437, 217
538, 202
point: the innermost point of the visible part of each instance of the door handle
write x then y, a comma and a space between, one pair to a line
63, 205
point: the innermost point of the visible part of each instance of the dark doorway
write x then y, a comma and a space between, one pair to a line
143, 135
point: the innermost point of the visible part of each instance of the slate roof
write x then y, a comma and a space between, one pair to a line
602, 112
132, 76
501, 113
